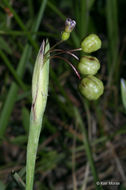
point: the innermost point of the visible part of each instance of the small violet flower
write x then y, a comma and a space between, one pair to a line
69, 25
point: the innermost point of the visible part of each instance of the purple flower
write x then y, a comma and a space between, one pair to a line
69, 25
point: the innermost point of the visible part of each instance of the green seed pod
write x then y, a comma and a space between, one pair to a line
91, 87
88, 65
91, 43
65, 36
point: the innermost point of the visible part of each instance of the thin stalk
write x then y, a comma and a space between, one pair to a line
77, 49
69, 63
64, 51
52, 48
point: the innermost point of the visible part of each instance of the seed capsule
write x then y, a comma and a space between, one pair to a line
91, 43
88, 65
91, 87
65, 36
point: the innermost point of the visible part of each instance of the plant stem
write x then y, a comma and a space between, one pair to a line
64, 51
61, 41
39, 98
31, 152
69, 63
113, 40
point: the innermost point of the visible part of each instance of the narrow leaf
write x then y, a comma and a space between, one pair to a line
123, 92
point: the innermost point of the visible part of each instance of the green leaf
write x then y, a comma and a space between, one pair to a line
123, 92
40, 81
13, 91
25, 119
20, 140
4, 46
18, 179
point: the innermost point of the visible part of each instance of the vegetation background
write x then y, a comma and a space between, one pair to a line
62, 162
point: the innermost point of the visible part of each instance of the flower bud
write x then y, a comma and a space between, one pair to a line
88, 65
69, 25
91, 43
40, 81
91, 87
65, 36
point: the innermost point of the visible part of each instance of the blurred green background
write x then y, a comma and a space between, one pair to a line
62, 162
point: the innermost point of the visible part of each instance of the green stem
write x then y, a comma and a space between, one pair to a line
113, 39
39, 98
32, 146
58, 43
84, 17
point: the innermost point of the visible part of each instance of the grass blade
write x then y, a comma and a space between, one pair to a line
123, 92
87, 147
21, 24
12, 94
12, 70
56, 10
84, 16
112, 25
23, 33
11, 97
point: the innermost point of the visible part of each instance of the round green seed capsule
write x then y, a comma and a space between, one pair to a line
91, 43
65, 36
91, 87
88, 65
